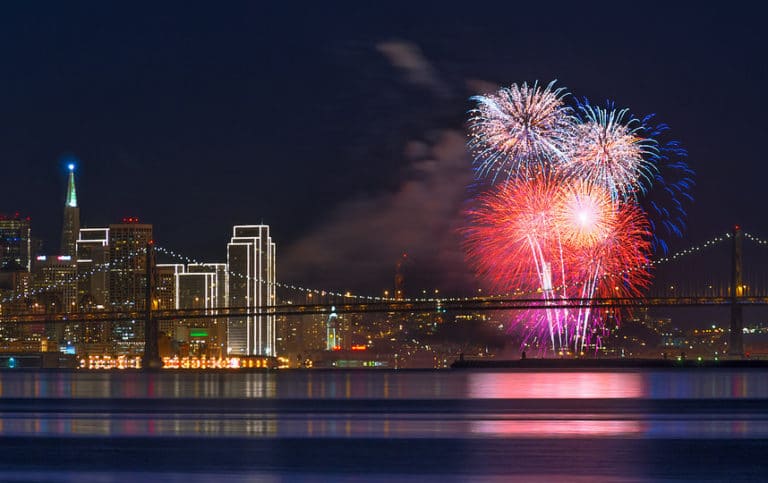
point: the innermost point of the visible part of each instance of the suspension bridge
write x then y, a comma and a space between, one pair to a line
737, 293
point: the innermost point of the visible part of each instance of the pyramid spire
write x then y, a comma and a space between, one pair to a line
71, 226
71, 194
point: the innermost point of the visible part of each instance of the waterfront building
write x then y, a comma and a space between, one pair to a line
202, 287
217, 326
251, 255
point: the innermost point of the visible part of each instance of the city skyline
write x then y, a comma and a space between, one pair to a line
503, 228
382, 132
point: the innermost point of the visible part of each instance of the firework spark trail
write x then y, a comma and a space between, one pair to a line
566, 219
519, 131
673, 181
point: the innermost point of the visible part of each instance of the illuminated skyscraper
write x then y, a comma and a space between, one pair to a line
15, 243
203, 286
251, 261
127, 260
92, 249
220, 281
54, 278
127, 279
165, 294
71, 227
165, 288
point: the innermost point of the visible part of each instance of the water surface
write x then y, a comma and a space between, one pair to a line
613, 425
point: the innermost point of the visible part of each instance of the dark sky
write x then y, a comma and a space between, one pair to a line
341, 126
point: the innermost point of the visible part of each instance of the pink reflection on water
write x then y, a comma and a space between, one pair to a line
556, 385
563, 428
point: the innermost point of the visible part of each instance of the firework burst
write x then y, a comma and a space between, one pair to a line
558, 239
519, 131
575, 217
607, 148
510, 224
585, 213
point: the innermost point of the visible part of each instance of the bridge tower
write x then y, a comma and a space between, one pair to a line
736, 342
151, 359
400, 277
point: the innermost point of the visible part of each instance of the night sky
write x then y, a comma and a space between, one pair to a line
341, 126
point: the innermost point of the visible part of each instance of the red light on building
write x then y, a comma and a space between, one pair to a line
359, 347
337, 347
130, 219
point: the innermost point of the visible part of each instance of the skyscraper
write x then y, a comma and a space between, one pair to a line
219, 278
127, 278
54, 279
127, 260
251, 261
199, 288
165, 287
71, 227
15, 243
92, 258
165, 294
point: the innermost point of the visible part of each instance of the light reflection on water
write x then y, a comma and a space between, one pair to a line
382, 404
380, 426
693, 384
571, 385
359, 425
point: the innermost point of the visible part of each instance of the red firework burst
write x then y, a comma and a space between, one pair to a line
558, 239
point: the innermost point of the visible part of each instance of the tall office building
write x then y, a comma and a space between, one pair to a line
199, 288
165, 286
15, 285
220, 280
71, 227
127, 280
15, 243
127, 263
216, 327
165, 294
92, 248
54, 278
251, 260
